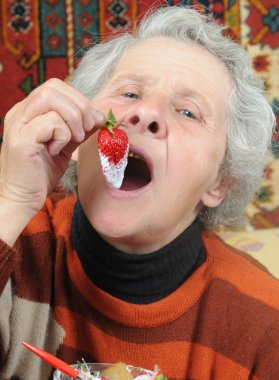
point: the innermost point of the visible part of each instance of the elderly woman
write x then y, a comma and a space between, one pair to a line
136, 274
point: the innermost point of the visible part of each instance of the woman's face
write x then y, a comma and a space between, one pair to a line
172, 98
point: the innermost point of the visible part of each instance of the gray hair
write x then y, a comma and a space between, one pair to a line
250, 119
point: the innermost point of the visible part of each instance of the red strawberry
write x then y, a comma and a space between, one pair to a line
113, 148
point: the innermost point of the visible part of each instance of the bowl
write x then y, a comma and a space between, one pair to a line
134, 371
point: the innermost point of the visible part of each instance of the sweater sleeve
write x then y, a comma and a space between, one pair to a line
26, 289
34, 240
266, 358
7, 255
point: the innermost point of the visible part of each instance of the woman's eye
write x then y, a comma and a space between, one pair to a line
188, 113
130, 95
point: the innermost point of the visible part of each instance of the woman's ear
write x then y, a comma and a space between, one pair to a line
214, 196
75, 155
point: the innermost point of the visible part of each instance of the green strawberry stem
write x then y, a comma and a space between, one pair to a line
111, 122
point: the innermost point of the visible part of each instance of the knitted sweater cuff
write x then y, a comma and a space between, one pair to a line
6, 264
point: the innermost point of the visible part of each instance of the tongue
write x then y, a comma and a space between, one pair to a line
133, 183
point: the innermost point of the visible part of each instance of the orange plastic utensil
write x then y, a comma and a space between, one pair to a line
52, 360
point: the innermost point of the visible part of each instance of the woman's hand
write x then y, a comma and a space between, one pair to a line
40, 134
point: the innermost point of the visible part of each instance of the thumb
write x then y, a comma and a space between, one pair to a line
71, 149
74, 156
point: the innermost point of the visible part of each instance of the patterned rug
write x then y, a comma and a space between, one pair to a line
44, 39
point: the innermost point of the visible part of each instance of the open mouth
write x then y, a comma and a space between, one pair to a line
137, 173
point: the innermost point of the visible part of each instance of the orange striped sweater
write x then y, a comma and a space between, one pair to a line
222, 323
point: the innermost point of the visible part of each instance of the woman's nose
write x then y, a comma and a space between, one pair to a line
148, 119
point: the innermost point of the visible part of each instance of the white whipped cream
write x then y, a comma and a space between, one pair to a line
114, 173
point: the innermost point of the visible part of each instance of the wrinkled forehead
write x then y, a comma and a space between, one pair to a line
177, 68
177, 61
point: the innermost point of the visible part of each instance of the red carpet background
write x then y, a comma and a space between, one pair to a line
44, 39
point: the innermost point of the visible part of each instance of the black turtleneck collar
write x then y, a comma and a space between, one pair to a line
136, 278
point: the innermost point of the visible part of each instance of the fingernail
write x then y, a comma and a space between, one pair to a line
81, 136
99, 117
96, 118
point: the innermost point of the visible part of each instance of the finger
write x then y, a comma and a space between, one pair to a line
71, 147
51, 130
48, 130
74, 155
58, 142
13, 113
90, 115
52, 100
